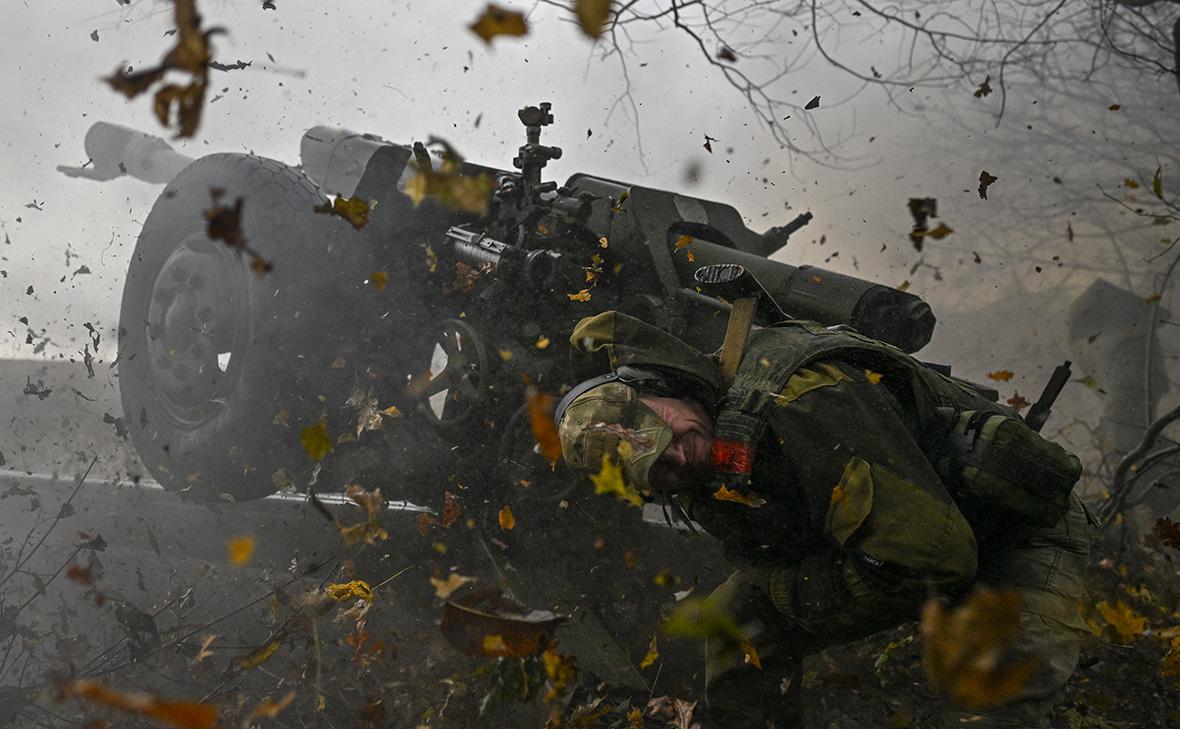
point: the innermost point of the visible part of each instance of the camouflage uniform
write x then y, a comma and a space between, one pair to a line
856, 531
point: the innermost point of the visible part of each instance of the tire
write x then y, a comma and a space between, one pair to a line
220, 368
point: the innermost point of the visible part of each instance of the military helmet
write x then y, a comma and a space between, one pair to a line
603, 417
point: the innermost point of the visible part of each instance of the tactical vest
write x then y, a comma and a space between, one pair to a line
995, 467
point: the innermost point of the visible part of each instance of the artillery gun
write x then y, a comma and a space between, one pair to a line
413, 337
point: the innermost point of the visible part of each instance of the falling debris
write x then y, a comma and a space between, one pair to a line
985, 181
497, 21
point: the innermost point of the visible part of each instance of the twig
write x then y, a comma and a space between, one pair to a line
1118, 489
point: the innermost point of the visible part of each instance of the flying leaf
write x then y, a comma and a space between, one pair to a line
1167, 531
1114, 107
583, 295
379, 279
984, 89
506, 518
874, 378
592, 16
540, 408
225, 225
985, 181
354, 590
240, 550
1157, 182
813, 104
203, 652
451, 510
1130, 183
354, 209
706, 618
966, 650
1170, 666
181, 714
269, 708
1017, 402
259, 655
370, 531
653, 654
1000, 375
752, 500
496, 21
941, 231
683, 240
447, 185
444, 588
191, 55
315, 440
609, 480
1126, 623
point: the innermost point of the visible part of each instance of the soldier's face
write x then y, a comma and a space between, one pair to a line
687, 457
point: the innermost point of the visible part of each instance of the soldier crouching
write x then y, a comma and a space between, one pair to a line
848, 482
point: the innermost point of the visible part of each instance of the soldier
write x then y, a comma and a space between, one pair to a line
857, 481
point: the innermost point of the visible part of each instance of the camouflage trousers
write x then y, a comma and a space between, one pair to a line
1046, 564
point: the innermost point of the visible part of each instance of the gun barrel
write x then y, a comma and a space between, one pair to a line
119, 150
830, 298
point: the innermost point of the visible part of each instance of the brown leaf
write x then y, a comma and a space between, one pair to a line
269, 708
984, 89
1017, 402
966, 650
451, 510
181, 714
259, 655
506, 518
540, 407
1167, 531
225, 225
1114, 107
240, 550
1000, 375
583, 295
985, 181
496, 21
444, 588
447, 185
1123, 620
380, 280
725, 53
751, 499
813, 104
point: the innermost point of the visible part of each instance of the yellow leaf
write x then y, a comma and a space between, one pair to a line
497, 21
940, 232
1170, 667
1127, 623
507, 519
444, 588
603, 242
180, 714
353, 209
691, 258
380, 280
259, 656
592, 16
542, 342
494, 645
240, 550
653, 653
682, 241
203, 652
609, 480
904, 285
1000, 375
583, 295
965, 650
635, 718
1130, 183
665, 578
752, 500
873, 377
357, 589
315, 440
392, 412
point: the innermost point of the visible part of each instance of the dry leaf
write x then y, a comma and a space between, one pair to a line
225, 225
451, 510
592, 16
356, 589
269, 708
874, 378
1167, 531
540, 407
1127, 623
1017, 402
240, 550
683, 240
1000, 375
752, 500
354, 209
583, 295
379, 279
447, 185
813, 104
191, 55
1130, 184
259, 655
203, 652
497, 21
965, 650
444, 588
370, 531
985, 181
315, 440
609, 480
984, 89
506, 518
653, 653
182, 714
